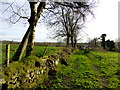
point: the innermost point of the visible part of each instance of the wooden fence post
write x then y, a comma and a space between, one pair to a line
45, 50
7, 54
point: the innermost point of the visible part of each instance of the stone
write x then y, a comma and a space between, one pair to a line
56, 62
28, 71
27, 75
52, 72
2, 81
42, 71
63, 62
49, 62
14, 77
24, 80
4, 86
37, 64
31, 74
37, 72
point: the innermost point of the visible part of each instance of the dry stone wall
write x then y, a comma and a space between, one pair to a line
32, 70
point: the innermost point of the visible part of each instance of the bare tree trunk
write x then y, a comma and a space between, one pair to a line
33, 21
75, 41
72, 43
67, 41
28, 38
95, 43
30, 45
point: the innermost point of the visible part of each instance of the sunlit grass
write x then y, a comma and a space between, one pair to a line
91, 70
84, 70
38, 51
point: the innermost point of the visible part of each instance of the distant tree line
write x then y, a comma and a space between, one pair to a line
106, 44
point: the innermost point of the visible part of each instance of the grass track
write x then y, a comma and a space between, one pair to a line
92, 70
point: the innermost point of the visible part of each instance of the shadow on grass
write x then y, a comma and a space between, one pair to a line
79, 53
40, 55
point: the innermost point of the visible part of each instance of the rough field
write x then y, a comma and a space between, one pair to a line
91, 70
83, 70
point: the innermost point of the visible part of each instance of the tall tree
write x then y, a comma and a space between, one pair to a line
95, 41
103, 40
110, 45
36, 8
69, 19
28, 39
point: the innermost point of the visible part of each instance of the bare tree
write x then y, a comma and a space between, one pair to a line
70, 18
93, 42
28, 39
36, 8
103, 43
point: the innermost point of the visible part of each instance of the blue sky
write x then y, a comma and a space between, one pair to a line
106, 21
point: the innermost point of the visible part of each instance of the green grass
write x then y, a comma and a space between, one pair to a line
38, 51
12, 51
91, 70
84, 70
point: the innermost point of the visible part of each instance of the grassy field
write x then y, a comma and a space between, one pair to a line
84, 70
91, 70
38, 51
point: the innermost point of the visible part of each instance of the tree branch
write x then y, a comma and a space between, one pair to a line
40, 8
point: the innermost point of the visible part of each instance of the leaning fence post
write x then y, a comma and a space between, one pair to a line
7, 54
45, 50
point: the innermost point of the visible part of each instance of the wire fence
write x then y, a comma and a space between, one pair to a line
8, 50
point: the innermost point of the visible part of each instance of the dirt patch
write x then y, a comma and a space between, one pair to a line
98, 49
102, 79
